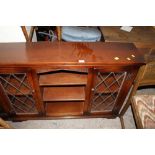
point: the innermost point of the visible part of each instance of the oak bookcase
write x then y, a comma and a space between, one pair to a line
47, 80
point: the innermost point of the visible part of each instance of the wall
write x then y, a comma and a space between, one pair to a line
11, 34
34, 38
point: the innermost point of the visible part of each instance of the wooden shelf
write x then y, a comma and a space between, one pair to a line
64, 93
64, 108
63, 79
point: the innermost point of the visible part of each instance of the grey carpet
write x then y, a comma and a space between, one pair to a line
91, 123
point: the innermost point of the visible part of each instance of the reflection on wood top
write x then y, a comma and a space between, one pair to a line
67, 53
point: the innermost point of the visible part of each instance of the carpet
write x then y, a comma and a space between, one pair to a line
91, 123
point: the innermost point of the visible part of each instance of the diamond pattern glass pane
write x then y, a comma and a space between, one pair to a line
19, 92
105, 91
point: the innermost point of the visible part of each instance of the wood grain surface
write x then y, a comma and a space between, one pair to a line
65, 53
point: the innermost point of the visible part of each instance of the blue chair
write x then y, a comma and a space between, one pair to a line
80, 34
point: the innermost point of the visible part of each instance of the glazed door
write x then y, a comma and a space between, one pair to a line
18, 93
110, 86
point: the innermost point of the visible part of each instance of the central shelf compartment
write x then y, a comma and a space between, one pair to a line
76, 93
63, 78
63, 91
64, 108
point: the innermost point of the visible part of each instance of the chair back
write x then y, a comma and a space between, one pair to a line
143, 105
145, 77
148, 75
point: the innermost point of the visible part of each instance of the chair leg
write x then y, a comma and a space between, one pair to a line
122, 122
59, 32
125, 108
122, 114
5, 125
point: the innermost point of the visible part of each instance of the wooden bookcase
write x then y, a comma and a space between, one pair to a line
66, 80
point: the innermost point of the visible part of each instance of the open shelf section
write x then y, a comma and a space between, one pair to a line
64, 93
62, 78
64, 108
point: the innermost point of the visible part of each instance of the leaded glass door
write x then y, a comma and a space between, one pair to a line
19, 92
109, 89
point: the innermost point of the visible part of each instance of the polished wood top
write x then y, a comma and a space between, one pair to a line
67, 53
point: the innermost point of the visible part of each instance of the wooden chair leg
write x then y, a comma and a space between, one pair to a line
59, 32
122, 114
125, 108
4, 124
122, 122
